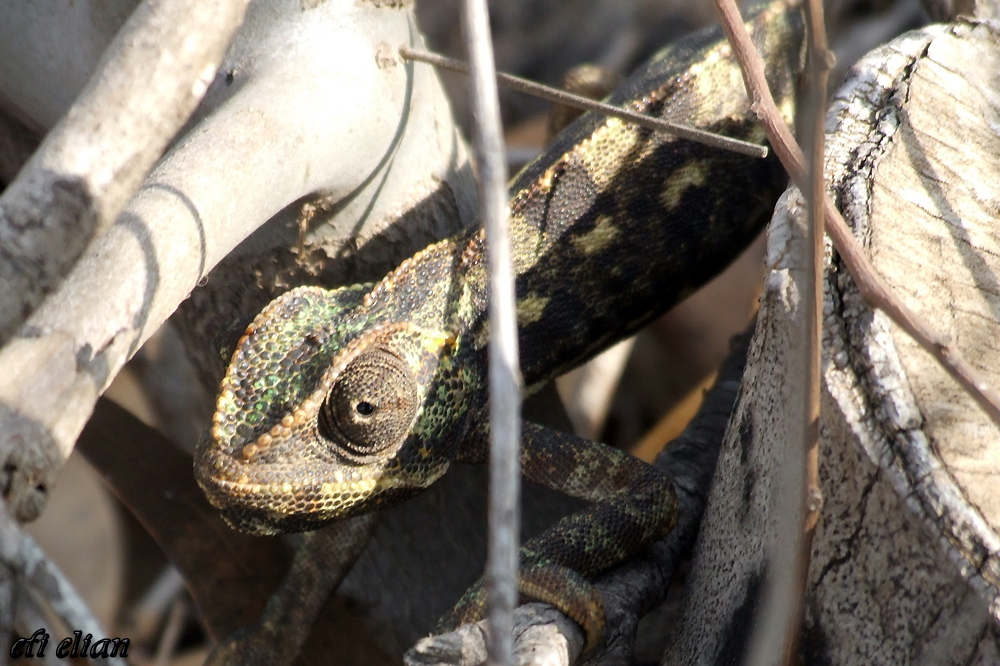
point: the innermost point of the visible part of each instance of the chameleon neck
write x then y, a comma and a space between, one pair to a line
615, 224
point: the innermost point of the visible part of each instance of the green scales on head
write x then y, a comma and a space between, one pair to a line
338, 402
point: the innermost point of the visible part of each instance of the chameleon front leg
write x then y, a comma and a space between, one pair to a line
633, 506
321, 563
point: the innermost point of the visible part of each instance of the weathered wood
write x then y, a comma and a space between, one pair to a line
906, 559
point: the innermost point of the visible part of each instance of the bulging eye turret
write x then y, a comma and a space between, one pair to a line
371, 406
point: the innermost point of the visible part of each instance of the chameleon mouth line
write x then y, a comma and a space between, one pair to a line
323, 488
224, 490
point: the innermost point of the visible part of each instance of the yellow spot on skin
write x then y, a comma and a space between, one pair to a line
598, 238
711, 75
529, 309
388, 483
436, 341
603, 153
690, 175
545, 182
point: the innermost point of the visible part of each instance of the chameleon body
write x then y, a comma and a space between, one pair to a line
339, 402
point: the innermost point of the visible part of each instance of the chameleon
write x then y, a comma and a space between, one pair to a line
340, 402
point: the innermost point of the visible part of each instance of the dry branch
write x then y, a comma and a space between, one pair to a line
504, 517
906, 557
145, 87
779, 607
820, 63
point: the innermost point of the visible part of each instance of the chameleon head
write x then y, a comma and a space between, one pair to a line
321, 415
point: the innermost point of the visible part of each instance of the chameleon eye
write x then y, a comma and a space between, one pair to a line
372, 404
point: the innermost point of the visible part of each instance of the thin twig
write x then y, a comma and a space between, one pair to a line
505, 375
171, 632
820, 63
569, 99
19, 553
872, 287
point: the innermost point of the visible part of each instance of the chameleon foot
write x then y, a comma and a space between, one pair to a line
558, 586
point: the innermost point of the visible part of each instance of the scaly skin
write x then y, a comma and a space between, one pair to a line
339, 402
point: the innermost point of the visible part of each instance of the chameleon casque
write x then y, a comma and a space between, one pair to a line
340, 402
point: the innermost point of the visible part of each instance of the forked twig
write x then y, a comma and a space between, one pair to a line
872, 287
587, 104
